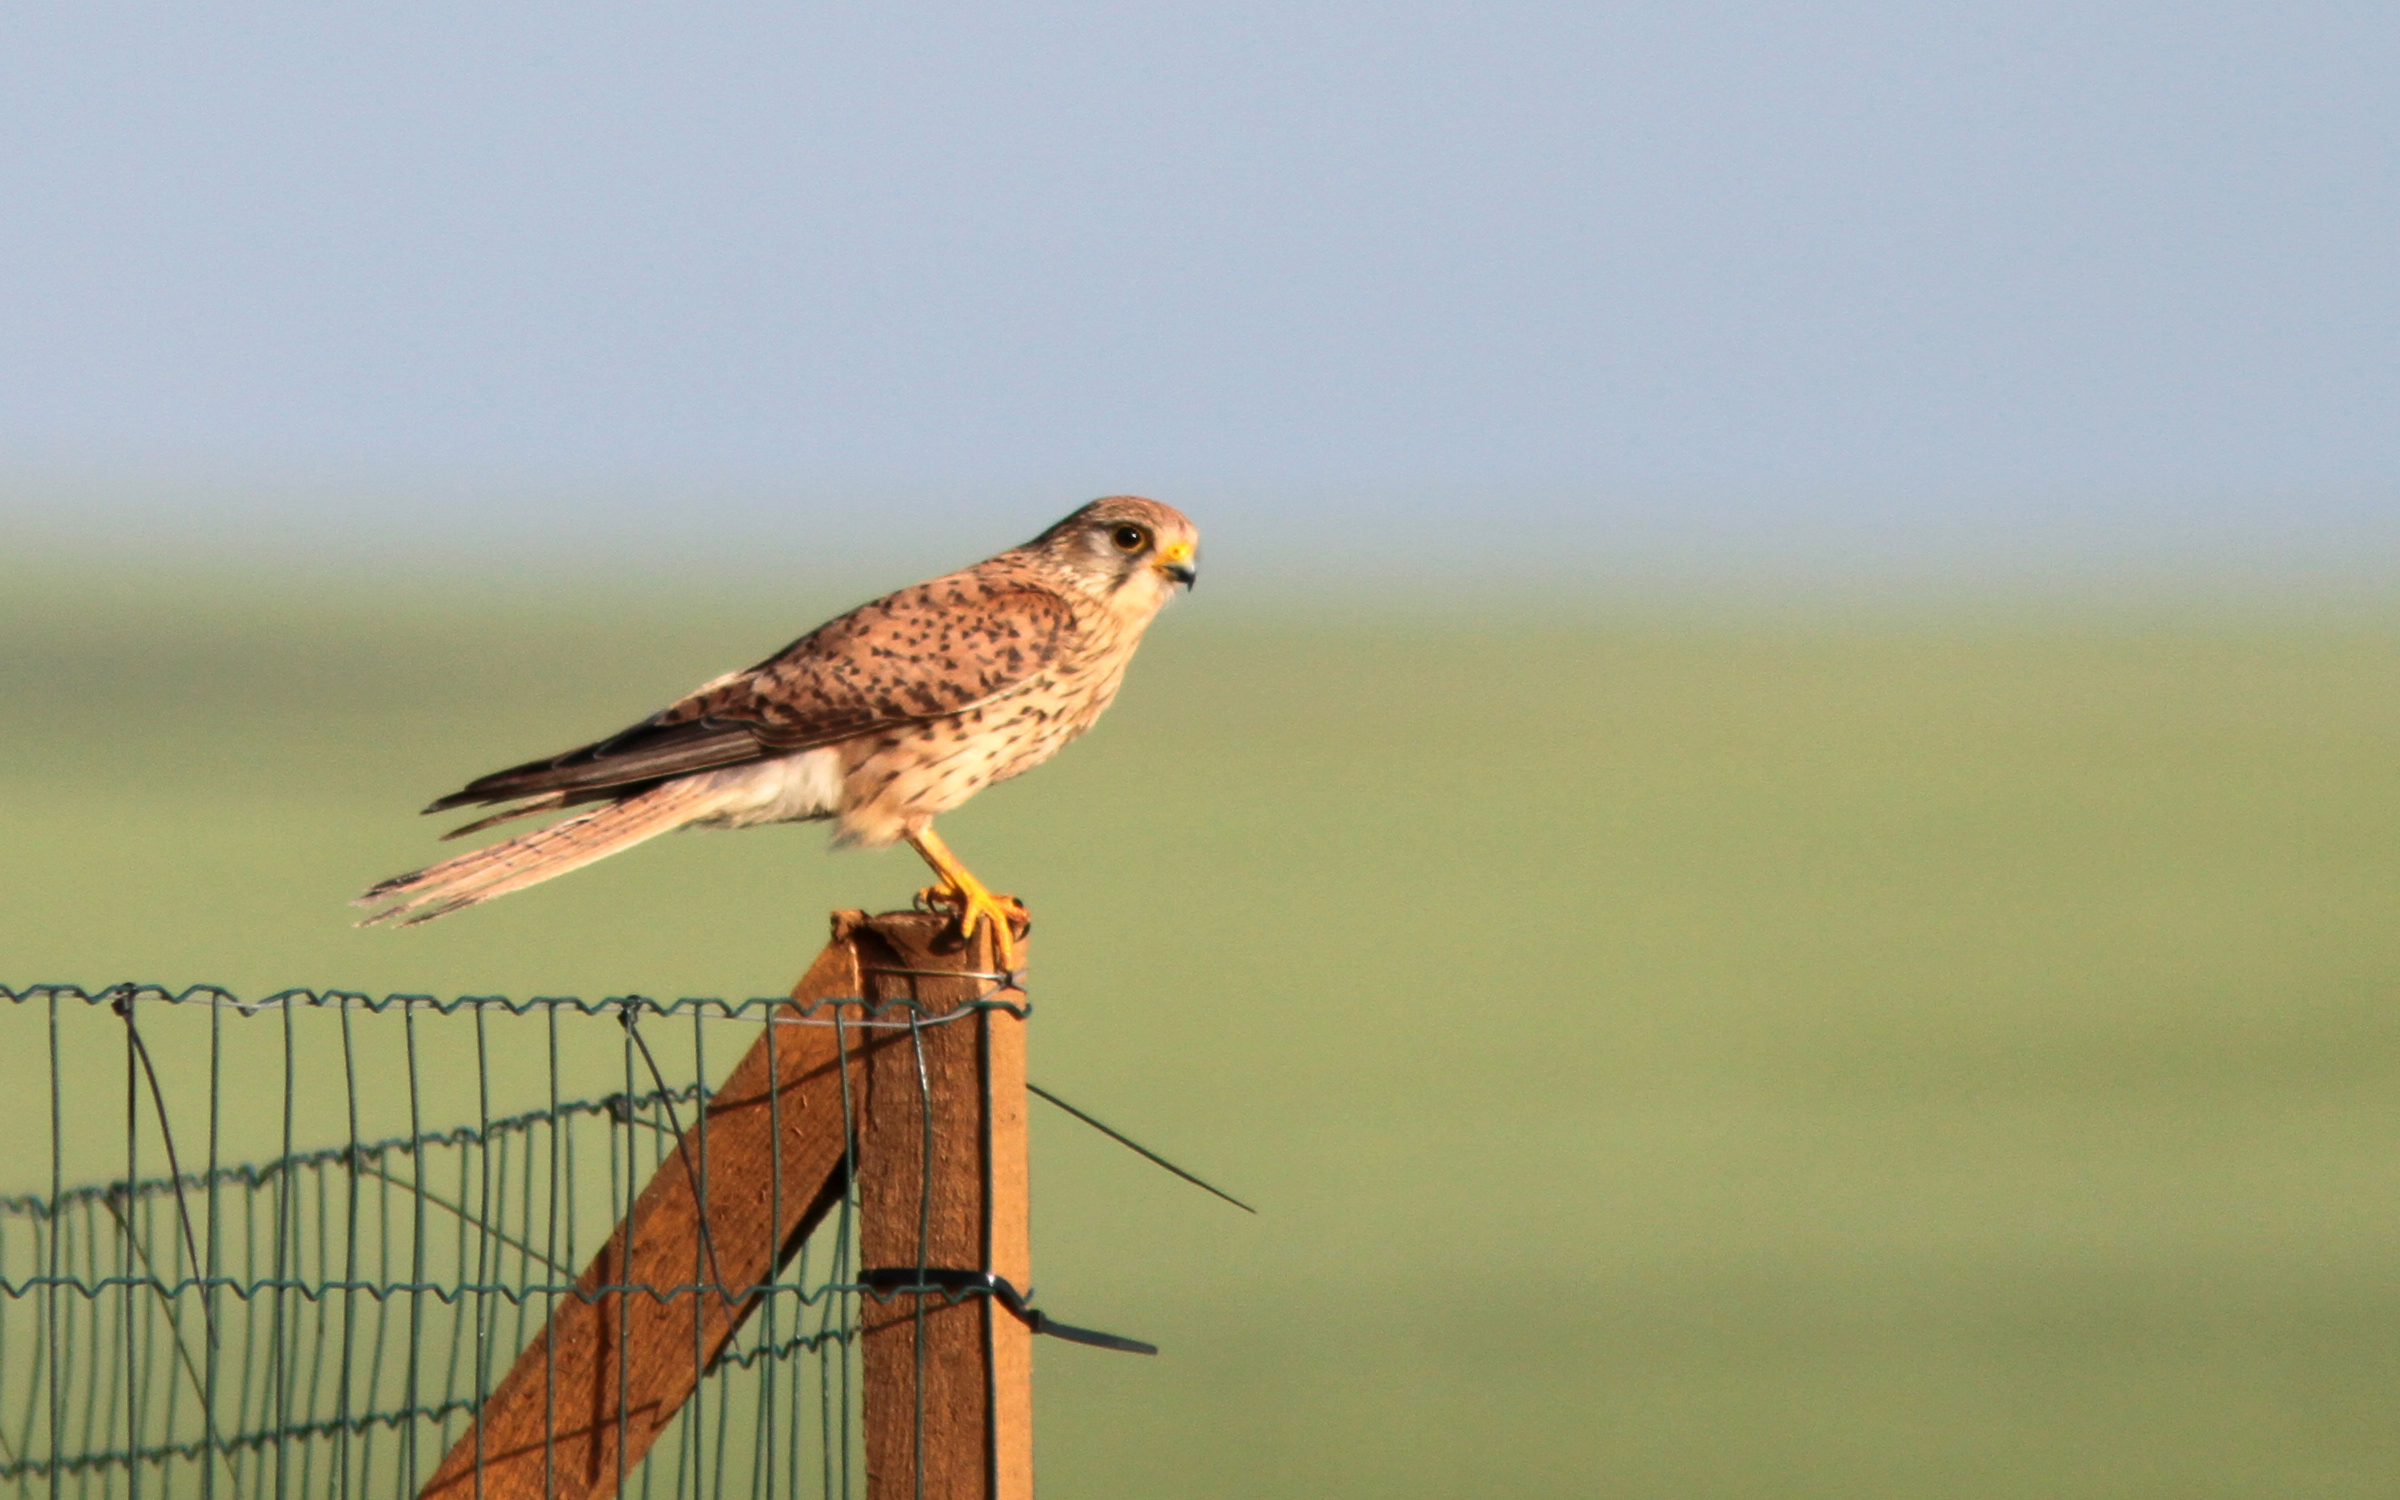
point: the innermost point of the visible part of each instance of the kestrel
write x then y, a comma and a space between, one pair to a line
880, 720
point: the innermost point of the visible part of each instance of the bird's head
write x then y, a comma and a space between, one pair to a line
1127, 551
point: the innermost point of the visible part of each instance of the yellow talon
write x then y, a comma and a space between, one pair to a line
976, 907
972, 900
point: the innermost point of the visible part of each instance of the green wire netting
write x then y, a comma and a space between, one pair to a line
249, 1248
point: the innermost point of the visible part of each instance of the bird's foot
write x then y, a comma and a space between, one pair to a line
973, 905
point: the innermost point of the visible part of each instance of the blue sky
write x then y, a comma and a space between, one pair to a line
1666, 283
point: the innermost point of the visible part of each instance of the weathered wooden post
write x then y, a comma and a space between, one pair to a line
942, 1189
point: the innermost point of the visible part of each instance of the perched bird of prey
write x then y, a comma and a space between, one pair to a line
880, 720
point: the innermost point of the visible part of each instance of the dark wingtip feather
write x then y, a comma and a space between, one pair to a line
645, 754
382, 888
504, 786
440, 909
551, 803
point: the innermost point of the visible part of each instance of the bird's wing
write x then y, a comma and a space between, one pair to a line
935, 649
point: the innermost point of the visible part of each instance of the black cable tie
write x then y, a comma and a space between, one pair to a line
987, 1283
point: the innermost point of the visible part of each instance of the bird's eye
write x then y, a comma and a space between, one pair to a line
1130, 538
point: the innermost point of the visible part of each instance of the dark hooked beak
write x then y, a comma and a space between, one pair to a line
1179, 562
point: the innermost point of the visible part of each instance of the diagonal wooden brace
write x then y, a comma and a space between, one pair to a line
585, 1401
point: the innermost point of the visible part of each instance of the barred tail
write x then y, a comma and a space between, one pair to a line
531, 858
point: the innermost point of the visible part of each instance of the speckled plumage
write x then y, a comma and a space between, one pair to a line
881, 719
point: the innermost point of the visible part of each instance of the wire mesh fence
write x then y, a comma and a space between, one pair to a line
329, 1244
289, 1247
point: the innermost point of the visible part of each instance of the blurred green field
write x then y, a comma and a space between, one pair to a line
1897, 1055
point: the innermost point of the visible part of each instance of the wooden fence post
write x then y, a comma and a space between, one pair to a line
943, 1186
585, 1401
